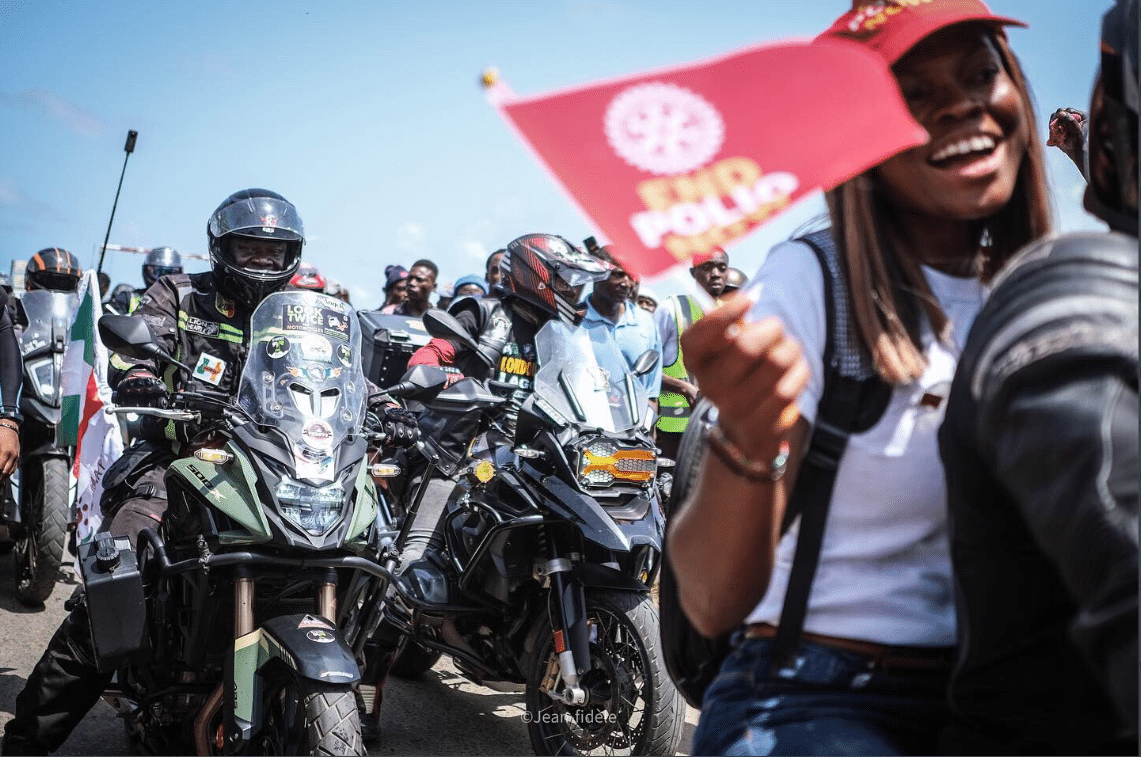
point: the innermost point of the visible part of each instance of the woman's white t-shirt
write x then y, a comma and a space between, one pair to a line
885, 570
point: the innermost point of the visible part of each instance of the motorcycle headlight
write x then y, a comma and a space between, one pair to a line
313, 508
42, 373
603, 462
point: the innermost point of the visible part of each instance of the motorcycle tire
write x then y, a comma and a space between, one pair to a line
302, 716
39, 554
414, 661
636, 709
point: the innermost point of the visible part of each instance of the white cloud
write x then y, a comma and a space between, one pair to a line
11, 196
474, 249
74, 116
410, 237
508, 207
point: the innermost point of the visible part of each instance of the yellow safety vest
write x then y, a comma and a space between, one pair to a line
673, 408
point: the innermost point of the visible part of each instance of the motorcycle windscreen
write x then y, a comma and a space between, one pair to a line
46, 311
49, 315
303, 375
584, 378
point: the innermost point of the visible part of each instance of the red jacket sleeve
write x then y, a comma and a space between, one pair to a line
439, 352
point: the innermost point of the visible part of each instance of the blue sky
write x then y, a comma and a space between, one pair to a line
369, 117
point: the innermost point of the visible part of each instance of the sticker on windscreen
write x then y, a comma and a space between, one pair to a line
315, 320
277, 347
318, 434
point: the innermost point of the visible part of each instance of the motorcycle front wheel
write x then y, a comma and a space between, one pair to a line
633, 707
302, 716
45, 492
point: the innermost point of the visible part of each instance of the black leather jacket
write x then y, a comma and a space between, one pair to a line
1041, 458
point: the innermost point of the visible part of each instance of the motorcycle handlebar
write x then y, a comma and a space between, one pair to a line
157, 412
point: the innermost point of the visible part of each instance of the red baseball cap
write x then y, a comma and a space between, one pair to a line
701, 257
892, 27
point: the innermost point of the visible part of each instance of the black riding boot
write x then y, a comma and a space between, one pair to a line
421, 569
64, 685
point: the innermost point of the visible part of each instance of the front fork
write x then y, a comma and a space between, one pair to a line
245, 623
570, 629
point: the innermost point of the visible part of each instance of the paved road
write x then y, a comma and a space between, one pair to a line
440, 713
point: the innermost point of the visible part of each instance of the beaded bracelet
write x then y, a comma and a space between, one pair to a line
13, 426
736, 460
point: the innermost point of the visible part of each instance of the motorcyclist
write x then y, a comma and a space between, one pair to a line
255, 239
52, 268
543, 277
160, 261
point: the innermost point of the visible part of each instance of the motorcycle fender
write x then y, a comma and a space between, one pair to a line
578, 508
48, 415
309, 644
46, 450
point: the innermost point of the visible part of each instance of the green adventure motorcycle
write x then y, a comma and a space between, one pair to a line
237, 626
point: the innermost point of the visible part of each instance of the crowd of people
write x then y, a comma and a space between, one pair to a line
951, 567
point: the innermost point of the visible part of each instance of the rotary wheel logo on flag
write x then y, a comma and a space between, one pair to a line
663, 128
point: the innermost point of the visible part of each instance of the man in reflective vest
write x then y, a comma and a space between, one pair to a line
674, 316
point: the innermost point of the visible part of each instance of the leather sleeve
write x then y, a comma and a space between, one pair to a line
11, 360
1056, 388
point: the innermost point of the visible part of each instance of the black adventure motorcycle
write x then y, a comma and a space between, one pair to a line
551, 547
38, 506
236, 628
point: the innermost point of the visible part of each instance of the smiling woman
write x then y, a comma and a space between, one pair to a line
912, 244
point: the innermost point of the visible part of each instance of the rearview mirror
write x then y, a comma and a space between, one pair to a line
128, 335
131, 337
443, 325
646, 362
419, 380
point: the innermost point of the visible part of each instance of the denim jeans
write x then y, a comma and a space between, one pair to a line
830, 702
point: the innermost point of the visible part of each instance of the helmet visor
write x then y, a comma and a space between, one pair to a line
266, 217
576, 267
158, 271
57, 282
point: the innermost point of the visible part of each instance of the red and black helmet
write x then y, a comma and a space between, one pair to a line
549, 273
53, 268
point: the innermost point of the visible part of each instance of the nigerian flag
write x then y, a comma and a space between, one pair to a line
84, 423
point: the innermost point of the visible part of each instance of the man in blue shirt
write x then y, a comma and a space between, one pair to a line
609, 306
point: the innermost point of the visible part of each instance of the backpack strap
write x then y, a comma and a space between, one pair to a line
853, 399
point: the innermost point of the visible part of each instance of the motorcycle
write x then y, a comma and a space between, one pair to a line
236, 625
551, 546
38, 505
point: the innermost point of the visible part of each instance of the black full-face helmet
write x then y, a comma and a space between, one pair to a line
53, 268
1113, 188
256, 214
548, 272
161, 261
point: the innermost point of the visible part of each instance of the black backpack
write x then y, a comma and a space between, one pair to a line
853, 400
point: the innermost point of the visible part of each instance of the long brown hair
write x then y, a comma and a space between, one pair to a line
889, 288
